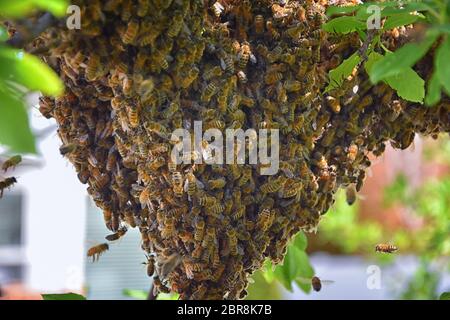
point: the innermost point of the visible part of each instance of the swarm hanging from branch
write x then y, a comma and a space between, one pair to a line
138, 70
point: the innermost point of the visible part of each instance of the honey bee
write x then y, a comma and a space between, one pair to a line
216, 183
273, 33
208, 92
167, 265
116, 236
385, 248
350, 193
150, 266
352, 152
273, 185
232, 241
93, 67
265, 219
191, 76
142, 8
176, 24
131, 32
96, 251
259, 24
67, 148
272, 78
244, 55
11, 162
334, 104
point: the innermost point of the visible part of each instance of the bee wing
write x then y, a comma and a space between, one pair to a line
326, 282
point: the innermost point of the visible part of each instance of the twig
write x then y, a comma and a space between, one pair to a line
30, 31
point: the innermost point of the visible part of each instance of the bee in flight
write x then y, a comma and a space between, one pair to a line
385, 248
315, 282
11, 162
97, 250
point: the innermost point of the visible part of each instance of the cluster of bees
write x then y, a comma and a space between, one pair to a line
139, 69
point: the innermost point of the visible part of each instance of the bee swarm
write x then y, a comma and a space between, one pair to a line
139, 69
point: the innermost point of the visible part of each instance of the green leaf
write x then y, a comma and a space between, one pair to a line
445, 296
268, 271
305, 271
332, 10
56, 7
21, 8
168, 296
344, 25
15, 131
402, 59
135, 294
64, 296
29, 71
398, 20
3, 34
339, 74
434, 90
300, 241
409, 85
442, 64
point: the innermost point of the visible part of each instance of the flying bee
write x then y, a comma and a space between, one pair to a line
6, 184
316, 282
96, 251
116, 236
385, 248
11, 162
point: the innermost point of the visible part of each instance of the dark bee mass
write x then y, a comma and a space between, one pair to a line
138, 70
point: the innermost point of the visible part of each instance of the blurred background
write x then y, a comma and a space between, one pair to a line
47, 223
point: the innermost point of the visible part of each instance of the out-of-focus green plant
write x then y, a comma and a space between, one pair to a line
142, 295
21, 73
295, 268
63, 296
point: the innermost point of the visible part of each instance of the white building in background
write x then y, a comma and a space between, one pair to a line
47, 223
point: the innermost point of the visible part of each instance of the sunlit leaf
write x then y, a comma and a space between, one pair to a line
135, 294
20, 8
29, 71
339, 74
442, 62
344, 25
268, 271
332, 10
300, 241
434, 90
397, 62
409, 85
166, 296
398, 20
15, 131
64, 296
